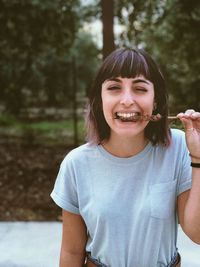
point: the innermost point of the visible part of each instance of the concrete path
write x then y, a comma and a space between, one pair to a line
30, 244
190, 251
35, 244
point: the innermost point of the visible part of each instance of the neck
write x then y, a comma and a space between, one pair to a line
124, 147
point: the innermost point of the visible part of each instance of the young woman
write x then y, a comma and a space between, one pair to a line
124, 192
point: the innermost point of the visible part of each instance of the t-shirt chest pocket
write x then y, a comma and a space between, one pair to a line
163, 200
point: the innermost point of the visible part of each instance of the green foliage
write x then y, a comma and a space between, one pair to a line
91, 11
169, 30
7, 120
44, 52
175, 36
32, 30
36, 43
130, 14
86, 56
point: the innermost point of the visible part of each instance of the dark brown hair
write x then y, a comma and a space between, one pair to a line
128, 63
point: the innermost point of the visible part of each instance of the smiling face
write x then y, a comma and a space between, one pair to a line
122, 98
126, 64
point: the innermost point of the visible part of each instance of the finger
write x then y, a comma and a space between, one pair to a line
180, 115
196, 115
186, 114
189, 112
186, 119
188, 125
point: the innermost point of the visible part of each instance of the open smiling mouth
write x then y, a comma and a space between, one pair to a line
136, 117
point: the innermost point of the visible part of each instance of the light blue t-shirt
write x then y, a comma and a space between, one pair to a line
128, 204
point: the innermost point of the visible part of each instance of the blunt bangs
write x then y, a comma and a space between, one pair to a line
127, 63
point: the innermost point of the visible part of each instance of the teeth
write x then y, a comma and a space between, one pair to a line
127, 115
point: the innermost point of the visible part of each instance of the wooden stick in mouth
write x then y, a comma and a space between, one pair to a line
170, 117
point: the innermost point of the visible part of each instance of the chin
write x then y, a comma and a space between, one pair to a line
131, 134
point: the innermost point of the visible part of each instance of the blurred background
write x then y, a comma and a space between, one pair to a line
49, 54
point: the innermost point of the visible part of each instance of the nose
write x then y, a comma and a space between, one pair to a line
127, 98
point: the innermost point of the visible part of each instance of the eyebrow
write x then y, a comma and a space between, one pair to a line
113, 80
140, 81
134, 81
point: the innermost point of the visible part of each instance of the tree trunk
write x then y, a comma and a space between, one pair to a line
107, 7
75, 117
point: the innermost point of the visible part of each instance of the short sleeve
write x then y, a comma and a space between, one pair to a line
185, 177
64, 193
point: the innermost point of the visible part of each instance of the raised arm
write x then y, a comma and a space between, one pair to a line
74, 238
189, 201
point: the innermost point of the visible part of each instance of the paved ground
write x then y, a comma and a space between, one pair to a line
37, 245
190, 252
29, 244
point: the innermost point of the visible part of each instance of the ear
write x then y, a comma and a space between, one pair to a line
154, 106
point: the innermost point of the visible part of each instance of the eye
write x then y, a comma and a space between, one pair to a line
141, 89
114, 87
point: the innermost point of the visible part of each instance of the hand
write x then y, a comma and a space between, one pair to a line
191, 122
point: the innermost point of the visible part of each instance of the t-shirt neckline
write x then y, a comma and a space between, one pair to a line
128, 160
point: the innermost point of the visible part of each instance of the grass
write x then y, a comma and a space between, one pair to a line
51, 132
7, 120
46, 126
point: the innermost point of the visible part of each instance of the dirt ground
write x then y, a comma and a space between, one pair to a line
27, 176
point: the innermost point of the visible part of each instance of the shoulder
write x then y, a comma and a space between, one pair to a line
177, 133
178, 142
80, 154
81, 151
177, 136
